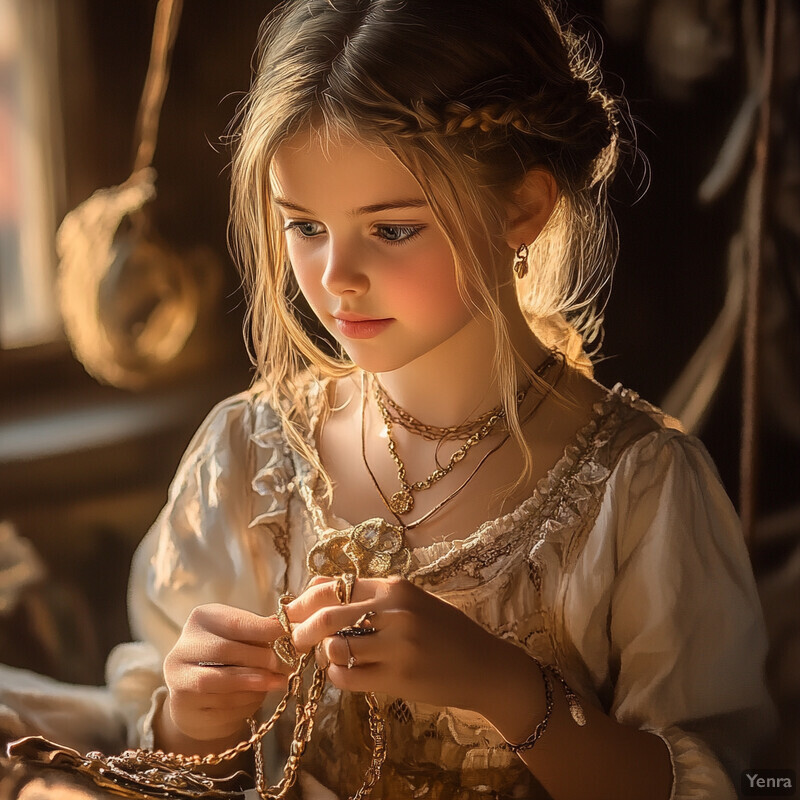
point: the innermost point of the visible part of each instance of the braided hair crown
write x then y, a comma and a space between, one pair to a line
501, 75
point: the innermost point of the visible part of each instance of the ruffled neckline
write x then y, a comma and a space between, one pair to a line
574, 461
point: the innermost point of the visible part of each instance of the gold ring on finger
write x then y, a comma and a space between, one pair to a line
285, 650
284, 646
344, 588
283, 617
351, 659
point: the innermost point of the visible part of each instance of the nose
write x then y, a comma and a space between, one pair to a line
344, 270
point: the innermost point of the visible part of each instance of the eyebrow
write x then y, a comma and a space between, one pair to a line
413, 202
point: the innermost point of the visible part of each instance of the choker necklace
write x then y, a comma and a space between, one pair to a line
399, 416
376, 548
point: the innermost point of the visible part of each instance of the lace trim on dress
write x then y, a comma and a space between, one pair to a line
273, 481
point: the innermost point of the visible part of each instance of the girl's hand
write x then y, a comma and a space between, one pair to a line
424, 650
218, 673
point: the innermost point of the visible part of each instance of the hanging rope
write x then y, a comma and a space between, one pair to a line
129, 302
748, 461
165, 30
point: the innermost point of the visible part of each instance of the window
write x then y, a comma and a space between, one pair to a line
31, 172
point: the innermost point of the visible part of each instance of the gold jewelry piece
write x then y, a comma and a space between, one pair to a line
344, 588
284, 646
575, 708
432, 432
371, 549
540, 370
153, 773
285, 650
140, 773
375, 548
283, 617
402, 501
351, 630
351, 661
542, 725
365, 620
521, 261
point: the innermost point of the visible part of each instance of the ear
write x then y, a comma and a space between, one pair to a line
530, 207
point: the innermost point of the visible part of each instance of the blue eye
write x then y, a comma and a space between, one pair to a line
398, 234
305, 230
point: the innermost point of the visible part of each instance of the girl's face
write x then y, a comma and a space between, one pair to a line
366, 251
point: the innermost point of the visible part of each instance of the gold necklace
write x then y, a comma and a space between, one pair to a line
433, 432
465, 429
376, 548
406, 526
402, 501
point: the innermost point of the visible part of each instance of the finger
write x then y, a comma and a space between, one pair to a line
317, 580
319, 595
225, 680
328, 620
362, 678
320, 656
232, 701
364, 650
212, 649
234, 624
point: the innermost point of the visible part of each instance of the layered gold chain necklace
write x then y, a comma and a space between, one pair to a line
376, 548
402, 501
474, 431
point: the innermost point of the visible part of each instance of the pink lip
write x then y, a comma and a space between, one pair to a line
354, 326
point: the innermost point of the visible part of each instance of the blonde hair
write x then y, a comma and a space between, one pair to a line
469, 97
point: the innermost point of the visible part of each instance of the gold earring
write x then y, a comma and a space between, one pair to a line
521, 261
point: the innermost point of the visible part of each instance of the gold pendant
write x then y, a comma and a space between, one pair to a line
401, 502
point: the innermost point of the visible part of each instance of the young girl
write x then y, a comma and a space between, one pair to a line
551, 595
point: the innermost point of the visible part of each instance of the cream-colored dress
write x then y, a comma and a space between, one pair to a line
626, 568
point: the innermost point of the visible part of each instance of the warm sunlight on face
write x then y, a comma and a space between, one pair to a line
366, 251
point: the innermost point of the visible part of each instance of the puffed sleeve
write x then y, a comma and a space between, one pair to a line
667, 617
209, 544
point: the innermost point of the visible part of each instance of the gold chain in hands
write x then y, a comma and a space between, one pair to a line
154, 773
302, 734
143, 773
377, 730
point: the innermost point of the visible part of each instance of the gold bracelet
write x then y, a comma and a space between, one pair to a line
575, 708
548, 710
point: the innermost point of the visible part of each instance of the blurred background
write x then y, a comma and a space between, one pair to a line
109, 361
